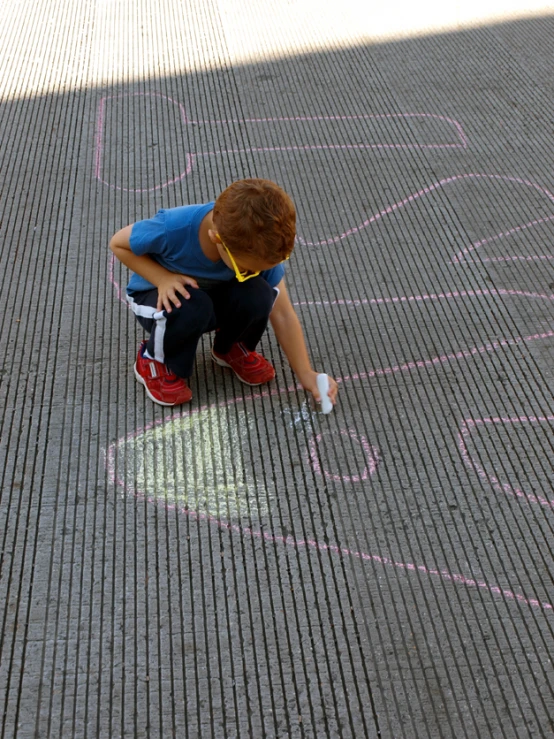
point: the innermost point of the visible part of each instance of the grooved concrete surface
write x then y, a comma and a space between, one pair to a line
244, 567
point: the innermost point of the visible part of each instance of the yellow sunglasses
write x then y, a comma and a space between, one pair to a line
241, 276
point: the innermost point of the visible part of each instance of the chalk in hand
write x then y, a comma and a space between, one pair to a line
323, 387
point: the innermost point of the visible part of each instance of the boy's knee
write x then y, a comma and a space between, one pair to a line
259, 293
196, 313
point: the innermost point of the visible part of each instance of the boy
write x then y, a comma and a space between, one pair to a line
218, 266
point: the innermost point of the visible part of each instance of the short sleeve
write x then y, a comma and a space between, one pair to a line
274, 275
149, 236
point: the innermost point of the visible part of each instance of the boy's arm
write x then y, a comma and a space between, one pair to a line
168, 283
291, 338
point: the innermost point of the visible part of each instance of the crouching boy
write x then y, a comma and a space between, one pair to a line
214, 267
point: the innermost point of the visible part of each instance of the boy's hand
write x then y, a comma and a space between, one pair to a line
309, 383
170, 288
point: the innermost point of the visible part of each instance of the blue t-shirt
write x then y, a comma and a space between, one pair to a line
171, 238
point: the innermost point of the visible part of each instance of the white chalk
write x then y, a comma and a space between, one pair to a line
323, 387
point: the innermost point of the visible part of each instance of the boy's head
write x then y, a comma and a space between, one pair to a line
256, 219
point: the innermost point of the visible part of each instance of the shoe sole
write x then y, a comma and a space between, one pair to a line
152, 398
223, 363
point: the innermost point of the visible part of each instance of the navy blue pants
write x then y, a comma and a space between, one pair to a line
239, 311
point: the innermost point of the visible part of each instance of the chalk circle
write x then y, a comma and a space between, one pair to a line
195, 463
370, 455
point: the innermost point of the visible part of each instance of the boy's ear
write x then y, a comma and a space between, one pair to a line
213, 236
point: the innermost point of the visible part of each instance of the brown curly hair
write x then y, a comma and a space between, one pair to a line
256, 217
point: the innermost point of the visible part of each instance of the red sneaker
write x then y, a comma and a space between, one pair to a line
250, 367
162, 386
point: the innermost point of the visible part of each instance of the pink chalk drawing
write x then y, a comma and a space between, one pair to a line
388, 210
371, 455
469, 425
298, 121
101, 133
448, 124
462, 255
115, 450
305, 121
456, 294
446, 358
395, 300
141, 489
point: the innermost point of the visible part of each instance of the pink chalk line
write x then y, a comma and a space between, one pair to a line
297, 119
469, 424
400, 204
518, 229
457, 294
321, 147
444, 358
100, 121
533, 258
371, 454
420, 364
443, 574
191, 158
422, 298
332, 147
310, 119
419, 194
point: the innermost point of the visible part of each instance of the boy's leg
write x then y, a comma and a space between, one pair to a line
174, 336
242, 312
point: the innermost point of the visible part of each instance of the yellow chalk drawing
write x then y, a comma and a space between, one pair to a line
203, 462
